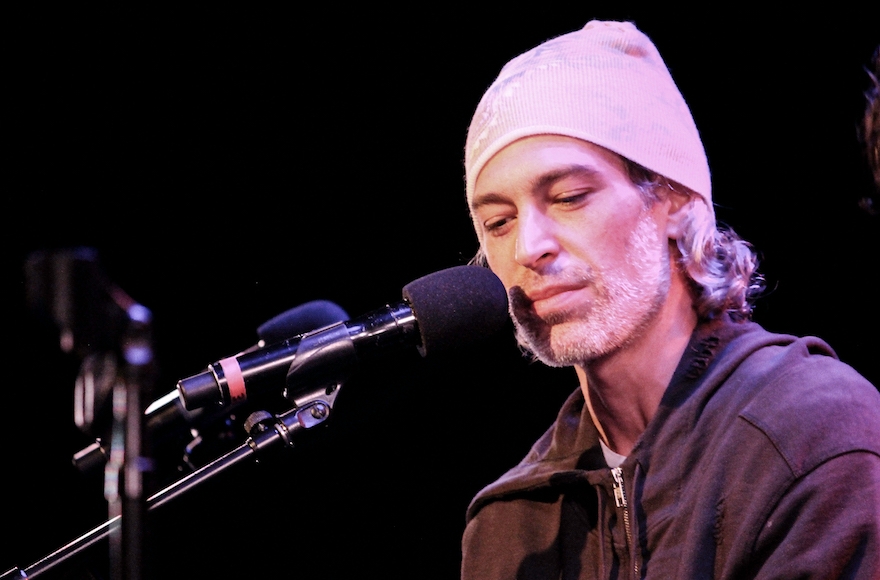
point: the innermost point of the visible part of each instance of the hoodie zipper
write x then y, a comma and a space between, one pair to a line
620, 501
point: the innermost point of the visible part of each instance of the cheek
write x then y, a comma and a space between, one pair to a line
601, 241
618, 228
501, 265
501, 259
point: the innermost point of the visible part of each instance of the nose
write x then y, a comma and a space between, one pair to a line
535, 241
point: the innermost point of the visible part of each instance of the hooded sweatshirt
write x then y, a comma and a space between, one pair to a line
762, 461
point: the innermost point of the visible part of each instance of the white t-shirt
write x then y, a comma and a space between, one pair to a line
611, 458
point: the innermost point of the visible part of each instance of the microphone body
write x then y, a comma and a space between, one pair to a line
443, 311
322, 357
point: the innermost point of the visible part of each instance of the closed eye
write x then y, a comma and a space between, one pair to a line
572, 199
496, 226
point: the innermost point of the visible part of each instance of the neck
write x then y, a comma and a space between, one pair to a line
623, 389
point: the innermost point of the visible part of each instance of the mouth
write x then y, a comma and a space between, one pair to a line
549, 300
546, 304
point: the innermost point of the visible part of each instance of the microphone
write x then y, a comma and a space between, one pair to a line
441, 312
300, 319
297, 320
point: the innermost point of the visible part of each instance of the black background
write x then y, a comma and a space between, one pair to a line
230, 162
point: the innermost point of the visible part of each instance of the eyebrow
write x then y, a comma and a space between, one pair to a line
543, 181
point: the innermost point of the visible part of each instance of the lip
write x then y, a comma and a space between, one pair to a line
553, 299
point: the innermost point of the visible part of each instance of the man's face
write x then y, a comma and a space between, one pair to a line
585, 261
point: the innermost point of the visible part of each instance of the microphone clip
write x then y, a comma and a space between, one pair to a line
311, 409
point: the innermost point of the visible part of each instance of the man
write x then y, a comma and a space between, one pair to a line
698, 444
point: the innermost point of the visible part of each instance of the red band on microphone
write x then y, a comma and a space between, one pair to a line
234, 379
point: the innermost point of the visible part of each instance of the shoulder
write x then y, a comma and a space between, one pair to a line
809, 404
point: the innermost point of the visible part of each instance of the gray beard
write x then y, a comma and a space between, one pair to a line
623, 306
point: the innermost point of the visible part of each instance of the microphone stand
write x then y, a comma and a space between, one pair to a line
266, 432
124, 472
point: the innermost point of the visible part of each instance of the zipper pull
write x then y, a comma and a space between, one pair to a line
619, 493
620, 500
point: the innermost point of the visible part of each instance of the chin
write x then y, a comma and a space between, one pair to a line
565, 343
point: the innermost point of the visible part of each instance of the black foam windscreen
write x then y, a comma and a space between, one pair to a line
301, 319
463, 304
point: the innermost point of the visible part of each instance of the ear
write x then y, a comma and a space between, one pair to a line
678, 209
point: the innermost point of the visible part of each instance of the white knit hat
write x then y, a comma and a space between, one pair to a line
606, 84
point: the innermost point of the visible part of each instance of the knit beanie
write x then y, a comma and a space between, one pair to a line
606, 84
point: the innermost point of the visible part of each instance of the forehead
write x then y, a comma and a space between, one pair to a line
530, 161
